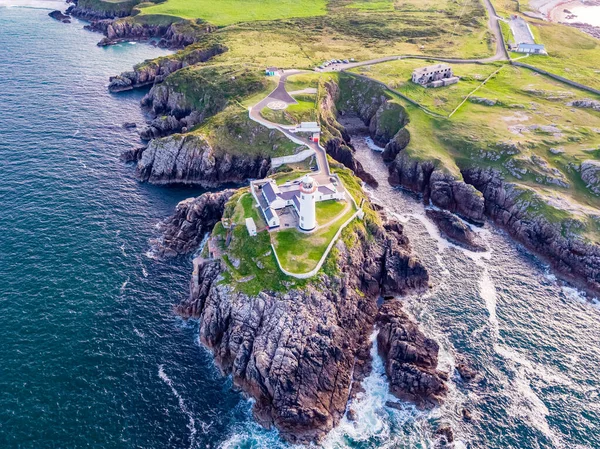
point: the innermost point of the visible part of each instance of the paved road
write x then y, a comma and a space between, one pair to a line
493, 25
280, 94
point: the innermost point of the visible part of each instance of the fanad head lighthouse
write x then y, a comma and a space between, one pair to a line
308, 200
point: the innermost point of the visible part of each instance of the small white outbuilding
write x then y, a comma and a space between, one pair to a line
251, 226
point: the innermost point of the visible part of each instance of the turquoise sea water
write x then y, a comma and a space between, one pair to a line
92, 355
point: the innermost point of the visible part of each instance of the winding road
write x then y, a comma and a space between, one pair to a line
281, 95
323, 173
493, 25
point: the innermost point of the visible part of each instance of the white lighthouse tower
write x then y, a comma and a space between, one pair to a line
308, 200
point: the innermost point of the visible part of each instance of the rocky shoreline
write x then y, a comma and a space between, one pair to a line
478, 194
302, 354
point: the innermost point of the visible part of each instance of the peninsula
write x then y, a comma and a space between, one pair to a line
488, 113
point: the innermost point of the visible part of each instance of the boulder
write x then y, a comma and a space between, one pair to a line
455, 230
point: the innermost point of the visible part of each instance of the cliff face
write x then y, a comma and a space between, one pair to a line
193, 218
190, 95
476, 193
386, 122
299, 354
440, 187
189, 159
506, 204
337, 140
91, 10
157, 70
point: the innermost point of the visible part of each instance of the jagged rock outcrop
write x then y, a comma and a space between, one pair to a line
410, 358
382, 118
133, 154
586, 104
344, 154
190, 95
156, 71
190, 159
85, 10
175, 35
510, 206
57, 15
301, 354
193, 218
441, 188
389, 119
174, 111
455, 230
590, 173
398, 143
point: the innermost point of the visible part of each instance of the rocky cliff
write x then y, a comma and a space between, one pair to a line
93, 10
410, 358
156, 70
190, 159
334, 136
190, 95
475, 193
300, 354
437, 186
386, 122
525, 216
174, 35
193, 218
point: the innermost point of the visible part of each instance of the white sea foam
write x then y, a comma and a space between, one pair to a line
202, 245
487, 290
124, 285
577, 295
191, 422
35, 4
372, 145
374, 421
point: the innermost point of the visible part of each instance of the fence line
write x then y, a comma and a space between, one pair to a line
557, 77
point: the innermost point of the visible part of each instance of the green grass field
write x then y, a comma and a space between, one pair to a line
441, 100
328, 210
227, 12
571, 53
304, 111
299, 252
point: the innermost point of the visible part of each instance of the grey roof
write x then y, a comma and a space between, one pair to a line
326, 190
272, 69
269, 192
431, 68
296, 202
289, 195
268, 213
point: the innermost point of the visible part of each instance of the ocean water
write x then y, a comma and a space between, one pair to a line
92, 355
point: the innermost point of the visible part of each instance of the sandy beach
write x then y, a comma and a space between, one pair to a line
569, 11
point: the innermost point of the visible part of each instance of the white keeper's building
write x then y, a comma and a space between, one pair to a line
299, 195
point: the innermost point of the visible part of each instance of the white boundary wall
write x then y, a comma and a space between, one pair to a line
315, 270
